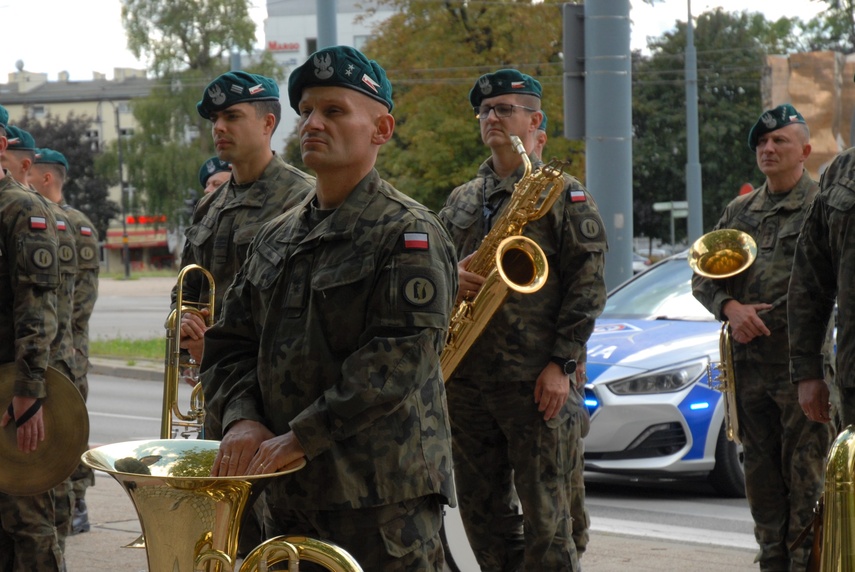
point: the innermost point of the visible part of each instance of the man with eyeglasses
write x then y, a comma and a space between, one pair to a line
514, 431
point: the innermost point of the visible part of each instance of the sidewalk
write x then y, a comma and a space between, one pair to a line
114, 524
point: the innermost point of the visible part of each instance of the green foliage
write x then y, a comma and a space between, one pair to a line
84, 189
833, 29
176, 34
433, 52
731, 50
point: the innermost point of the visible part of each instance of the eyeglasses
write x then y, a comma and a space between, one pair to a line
502, 110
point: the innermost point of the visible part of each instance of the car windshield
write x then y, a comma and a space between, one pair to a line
662, 292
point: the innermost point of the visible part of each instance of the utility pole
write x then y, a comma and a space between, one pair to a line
327, 30
694, 195
126, 253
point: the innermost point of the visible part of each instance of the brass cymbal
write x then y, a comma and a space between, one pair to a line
66, 423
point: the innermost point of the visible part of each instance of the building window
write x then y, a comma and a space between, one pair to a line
311, 45
93, 137
38, 111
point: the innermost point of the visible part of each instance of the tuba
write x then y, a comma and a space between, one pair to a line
191, 520
178, 365
836, 508
507, 260
721, 254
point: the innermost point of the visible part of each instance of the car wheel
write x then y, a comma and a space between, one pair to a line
728, 476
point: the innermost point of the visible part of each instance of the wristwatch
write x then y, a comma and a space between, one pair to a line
568, 366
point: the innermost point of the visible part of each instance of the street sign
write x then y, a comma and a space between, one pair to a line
671, 206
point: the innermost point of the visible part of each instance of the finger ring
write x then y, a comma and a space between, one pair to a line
226, 457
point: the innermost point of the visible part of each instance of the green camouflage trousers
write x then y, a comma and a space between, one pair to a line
28, 541
581, 519
784, 462
402, 537
506, 457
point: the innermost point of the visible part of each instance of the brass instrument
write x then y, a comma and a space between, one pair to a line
508, 260
836, 507
721, 254
191, 520
175, 367
66, 423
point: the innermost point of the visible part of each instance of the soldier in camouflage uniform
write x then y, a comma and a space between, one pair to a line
512, 422
63, 355
784, 450
48, 173
820, 274
581, 518
244, 111
29, 276
213, 174
328, 345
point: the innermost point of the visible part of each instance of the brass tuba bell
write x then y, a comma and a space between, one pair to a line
721, 254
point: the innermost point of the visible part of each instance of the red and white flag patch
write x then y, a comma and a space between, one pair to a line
38, 222
60, 225
517, 84
375, 87
578, 197
416, 241
85, 231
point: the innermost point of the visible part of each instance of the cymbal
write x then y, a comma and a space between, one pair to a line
66, 423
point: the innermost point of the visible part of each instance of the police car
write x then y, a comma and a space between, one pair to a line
653, 414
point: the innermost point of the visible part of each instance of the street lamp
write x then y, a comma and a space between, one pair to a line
126, 253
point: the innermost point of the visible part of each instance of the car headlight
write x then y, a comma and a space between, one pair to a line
662, 381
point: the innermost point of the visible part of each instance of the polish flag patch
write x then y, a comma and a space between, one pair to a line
256, 89
85, 231
416, 241
578, 197
38, 222
370, 83
60, 225
517, 84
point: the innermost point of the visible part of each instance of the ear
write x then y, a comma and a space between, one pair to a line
385, 126
3, 143
806, 149
536, 119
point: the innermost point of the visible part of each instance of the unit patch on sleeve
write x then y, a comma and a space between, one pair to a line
419, 291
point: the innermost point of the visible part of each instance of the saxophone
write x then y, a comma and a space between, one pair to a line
507, 260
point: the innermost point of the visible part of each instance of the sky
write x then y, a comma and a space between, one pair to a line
85, 37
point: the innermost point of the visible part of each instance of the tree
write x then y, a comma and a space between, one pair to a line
833, 29
731, 52
433, 52
83, 189
177, 35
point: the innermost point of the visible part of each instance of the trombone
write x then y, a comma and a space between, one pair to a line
178, 365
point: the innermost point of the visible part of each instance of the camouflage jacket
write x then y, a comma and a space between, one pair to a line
332, 329
820, 274
62, 349
556, 320
226, 220
29, 277
774, 223
85, 285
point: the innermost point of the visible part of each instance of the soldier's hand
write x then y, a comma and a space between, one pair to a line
468, 283
745, 324
31, 433
813, 399
238, 447
551, 390
193, 330
276, 453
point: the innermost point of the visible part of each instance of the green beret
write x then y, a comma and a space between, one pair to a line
236, 87
501, 83
542, 125
19, 140
772, 120
4, 117
340, 66
49, 156
211, 166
